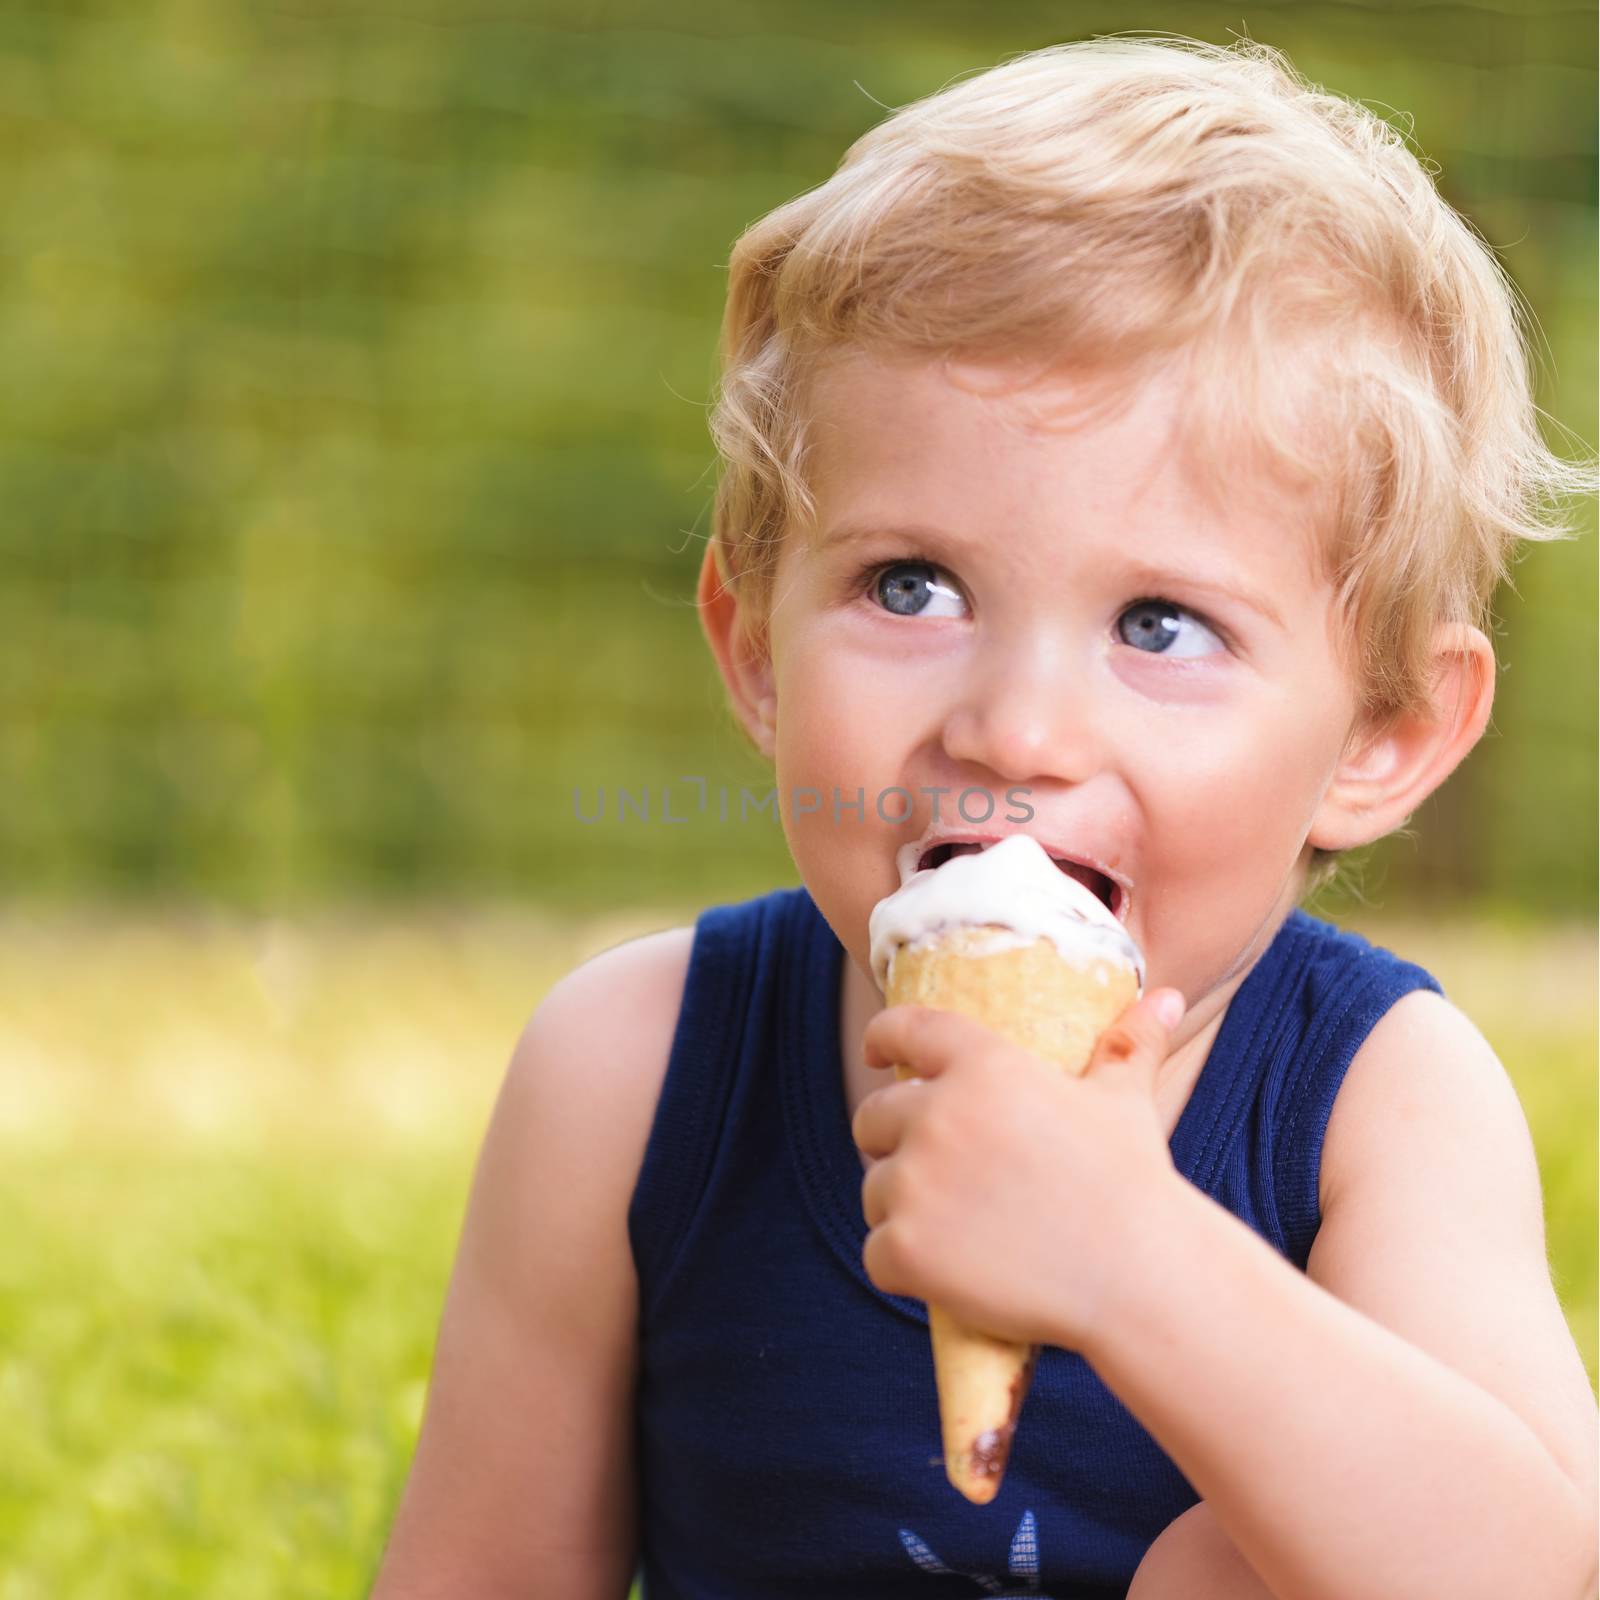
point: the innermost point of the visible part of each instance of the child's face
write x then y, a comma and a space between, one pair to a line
1160, 673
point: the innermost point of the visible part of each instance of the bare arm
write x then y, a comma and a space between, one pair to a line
1415, 1418
1193, 1559
523, 1481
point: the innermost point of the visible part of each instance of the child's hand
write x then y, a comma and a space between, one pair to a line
1007, 1191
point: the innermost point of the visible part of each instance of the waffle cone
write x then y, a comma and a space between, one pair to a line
1056, 1010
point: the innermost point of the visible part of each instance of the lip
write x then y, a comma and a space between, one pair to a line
1122, 890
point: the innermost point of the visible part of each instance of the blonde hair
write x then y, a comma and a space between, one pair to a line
1111, 203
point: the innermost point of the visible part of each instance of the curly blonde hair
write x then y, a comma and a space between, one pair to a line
1105, 205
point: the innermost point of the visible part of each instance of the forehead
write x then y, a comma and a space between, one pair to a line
1013, 456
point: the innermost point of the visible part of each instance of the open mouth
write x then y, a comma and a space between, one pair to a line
1108, 893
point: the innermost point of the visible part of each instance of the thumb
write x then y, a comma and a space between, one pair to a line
1136, 1044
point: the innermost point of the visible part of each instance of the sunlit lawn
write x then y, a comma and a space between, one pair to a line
235, 1160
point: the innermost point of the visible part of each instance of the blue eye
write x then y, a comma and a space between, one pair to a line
906, 588
1160, 628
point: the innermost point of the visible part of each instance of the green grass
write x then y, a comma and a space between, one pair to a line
235, 1158
216, 1368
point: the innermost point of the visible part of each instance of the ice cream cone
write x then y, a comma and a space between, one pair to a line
1055, 1008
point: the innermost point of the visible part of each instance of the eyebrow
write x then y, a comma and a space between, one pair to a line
1141, 574
1227, 587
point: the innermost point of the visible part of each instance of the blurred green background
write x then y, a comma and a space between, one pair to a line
355, 478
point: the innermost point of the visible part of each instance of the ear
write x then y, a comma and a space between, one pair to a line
1387, 772
743, 661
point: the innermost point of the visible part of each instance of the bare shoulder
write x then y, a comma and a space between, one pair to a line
1433, 1220
605, 1030
523, 1478
586, 1074
648, 972
1426, 1083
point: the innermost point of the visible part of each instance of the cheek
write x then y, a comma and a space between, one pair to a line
1242, 789
839, 720
843, 726
820, 737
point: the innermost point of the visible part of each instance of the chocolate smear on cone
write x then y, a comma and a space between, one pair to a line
991, 1450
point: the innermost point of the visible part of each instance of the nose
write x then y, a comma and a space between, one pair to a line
1028, 713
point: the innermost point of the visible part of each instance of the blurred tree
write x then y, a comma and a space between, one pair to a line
352, 432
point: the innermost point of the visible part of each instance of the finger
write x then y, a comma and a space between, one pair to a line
881, 1119
883, 1259
875, 1192
1136, 1044
918, 1037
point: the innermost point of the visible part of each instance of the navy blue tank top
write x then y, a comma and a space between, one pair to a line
787, 1424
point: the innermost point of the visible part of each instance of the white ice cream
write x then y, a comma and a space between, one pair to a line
1013, 886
